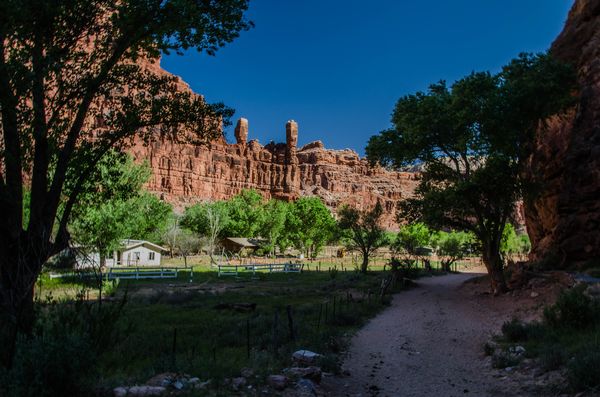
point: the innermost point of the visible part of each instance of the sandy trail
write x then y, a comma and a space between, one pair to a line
427, 343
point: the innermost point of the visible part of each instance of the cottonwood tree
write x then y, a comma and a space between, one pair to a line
363, 231
411, 239
472, 139
272, 227
187, 243
308, 226
207, 220
71, 89
113, 206
453, 246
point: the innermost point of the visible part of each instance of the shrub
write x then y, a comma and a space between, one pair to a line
514, 330
552, 357
573, 310
60, 357
583, 371
404, 268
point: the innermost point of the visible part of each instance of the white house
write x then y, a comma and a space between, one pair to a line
130, 253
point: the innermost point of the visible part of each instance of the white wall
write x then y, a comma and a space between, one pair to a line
129, 256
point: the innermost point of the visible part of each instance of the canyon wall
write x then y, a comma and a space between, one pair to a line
564, 219
185, 174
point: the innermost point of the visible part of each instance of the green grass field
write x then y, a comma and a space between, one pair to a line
174, 325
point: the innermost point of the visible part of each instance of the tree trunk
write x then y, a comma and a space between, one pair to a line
494, 265
365, 264
18, 273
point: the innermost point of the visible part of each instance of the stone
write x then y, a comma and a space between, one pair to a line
247, 372
562, 220
277, 382
305, 357
312, 373
164, 379
306, 387
241, 131
139, 391
517, 350
178, 385
238, 383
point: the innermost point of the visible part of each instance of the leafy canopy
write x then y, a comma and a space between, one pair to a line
472, 139
363, 231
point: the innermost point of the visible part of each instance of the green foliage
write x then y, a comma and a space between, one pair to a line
583, 371
114, 207
61, 357
309, 225
513, 243
514, 330
273, 226
196, 217
573, 310
452, 245
567, 336
363, 230
472, 138
411, 238
246, 214
72, 88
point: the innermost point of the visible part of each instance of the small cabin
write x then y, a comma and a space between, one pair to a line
129, 253
138, 253
240, 245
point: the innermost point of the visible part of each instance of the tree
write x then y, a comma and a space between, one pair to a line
411, 239
513, 243
453, 246
309, 225
246, 214
70, 90
363, 231
170, 234
472, 139
115, 206
208, 220
187, 243
273, 224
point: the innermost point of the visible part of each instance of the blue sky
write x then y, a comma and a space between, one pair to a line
337, 67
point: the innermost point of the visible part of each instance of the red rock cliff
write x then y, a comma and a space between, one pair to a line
564, 220
184, 174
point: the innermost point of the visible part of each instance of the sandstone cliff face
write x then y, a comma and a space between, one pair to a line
185, 174
564, 220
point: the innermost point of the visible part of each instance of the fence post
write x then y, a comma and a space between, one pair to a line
248, 336
288, 308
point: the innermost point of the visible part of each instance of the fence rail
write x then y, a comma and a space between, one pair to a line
234, 270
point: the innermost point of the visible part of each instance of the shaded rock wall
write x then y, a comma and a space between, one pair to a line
564, 220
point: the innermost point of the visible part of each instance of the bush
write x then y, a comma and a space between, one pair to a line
60, 357
552, 357
404, 268
573, 310
514, 330
583, 371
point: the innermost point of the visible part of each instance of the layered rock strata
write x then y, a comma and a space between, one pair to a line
185, 174
564, 220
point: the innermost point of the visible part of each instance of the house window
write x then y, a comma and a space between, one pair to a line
150, 256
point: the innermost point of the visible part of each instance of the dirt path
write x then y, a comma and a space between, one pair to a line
428, 343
